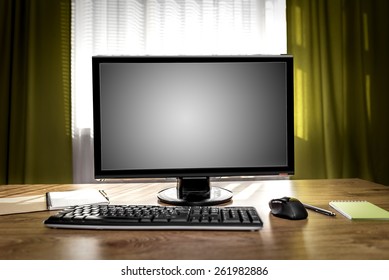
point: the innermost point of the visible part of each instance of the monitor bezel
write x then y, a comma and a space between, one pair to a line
99, 173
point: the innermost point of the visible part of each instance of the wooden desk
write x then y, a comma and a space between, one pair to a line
23, 236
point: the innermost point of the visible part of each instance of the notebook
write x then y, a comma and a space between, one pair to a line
60, 200
355, 210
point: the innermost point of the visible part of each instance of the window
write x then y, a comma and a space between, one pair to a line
161, 27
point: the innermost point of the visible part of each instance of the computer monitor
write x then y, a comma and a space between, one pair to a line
193, 118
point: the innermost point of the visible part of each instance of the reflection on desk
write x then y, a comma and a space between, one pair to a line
23, 236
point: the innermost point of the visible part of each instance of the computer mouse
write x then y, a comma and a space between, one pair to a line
288, 208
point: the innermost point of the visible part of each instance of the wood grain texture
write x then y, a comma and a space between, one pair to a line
23, 236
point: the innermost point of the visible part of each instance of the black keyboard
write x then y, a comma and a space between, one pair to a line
145, 217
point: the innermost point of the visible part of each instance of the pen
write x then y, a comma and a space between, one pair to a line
319, 210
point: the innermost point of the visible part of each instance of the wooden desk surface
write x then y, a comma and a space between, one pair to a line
23, 236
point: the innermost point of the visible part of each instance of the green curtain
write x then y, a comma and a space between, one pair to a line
341, 50
35, 114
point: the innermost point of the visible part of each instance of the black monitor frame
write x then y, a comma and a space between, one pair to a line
193, 183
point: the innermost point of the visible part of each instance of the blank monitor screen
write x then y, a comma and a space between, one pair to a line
193, 116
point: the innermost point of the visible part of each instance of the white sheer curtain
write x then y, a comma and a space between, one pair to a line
161, 27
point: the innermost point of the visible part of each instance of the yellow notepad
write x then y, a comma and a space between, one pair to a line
355, 210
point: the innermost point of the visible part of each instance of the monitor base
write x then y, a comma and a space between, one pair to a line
217, 196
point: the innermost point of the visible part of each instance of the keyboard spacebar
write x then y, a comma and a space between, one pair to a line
125, 220
112, 219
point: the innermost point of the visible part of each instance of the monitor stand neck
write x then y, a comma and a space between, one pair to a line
194, 191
